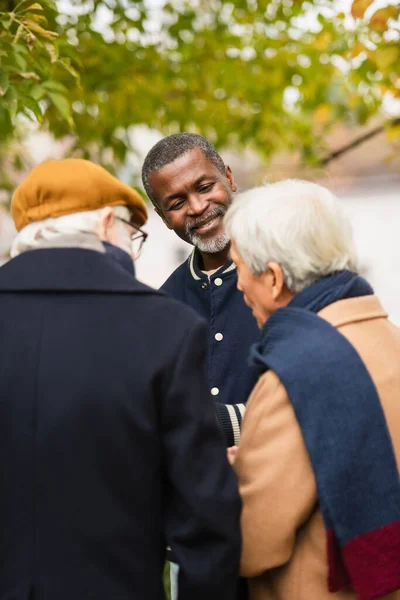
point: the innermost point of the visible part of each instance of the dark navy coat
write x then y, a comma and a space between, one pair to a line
232, 328
109, 446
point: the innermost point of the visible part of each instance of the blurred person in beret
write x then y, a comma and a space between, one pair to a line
107, 432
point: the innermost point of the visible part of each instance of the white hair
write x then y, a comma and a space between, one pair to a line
33, 235
296, 224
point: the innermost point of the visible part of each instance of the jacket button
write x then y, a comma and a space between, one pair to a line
218, 281
215, 391
219, 337
204, 285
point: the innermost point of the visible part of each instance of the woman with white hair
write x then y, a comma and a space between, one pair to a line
319, 458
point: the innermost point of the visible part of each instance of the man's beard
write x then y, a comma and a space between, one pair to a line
213, 245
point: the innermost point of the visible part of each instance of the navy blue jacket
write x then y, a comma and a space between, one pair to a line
218, 300
109, 448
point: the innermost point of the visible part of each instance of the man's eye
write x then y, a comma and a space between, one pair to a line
176, 206
206, 188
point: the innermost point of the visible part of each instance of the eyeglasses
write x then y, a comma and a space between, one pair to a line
138, 238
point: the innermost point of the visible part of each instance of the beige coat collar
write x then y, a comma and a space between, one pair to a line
352, 310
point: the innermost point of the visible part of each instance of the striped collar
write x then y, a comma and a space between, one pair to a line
193, 262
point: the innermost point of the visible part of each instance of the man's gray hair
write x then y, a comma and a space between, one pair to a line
297, 224
34, 234
167, 150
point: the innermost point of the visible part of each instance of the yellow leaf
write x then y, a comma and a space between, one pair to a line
50, 35
52, 52
380, 18
393, 133
322, 40
322, 114
29, 76
356, 49
35, 6
34, 18
384, 57
20, 31
359, 7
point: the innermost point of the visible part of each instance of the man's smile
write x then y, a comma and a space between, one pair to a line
206, 223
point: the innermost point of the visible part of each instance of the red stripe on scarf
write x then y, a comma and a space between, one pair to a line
379, 549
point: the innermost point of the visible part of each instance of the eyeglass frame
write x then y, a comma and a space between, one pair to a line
143, 234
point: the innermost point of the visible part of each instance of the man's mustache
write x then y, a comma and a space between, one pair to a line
199, 221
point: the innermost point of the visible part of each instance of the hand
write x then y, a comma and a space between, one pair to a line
232, 454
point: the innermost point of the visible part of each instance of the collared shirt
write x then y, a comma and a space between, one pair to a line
232, 327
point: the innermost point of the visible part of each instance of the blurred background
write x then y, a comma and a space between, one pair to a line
286, 88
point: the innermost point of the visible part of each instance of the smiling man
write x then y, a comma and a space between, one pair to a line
191, 189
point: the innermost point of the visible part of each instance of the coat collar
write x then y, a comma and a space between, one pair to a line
69, 270
352, 310
197, 273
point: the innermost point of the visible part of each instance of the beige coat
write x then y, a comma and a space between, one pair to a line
284, 538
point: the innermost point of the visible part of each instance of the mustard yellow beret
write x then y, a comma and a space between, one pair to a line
62, 187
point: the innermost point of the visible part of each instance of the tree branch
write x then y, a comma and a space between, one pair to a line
358, 141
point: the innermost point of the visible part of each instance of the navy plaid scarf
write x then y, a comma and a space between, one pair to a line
345, 432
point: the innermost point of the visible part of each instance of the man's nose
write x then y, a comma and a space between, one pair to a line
197, 205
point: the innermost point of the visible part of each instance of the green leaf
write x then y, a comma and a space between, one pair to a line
55, 86
4, 83
11, 102
50, 4
67, 66
19, 56
37, 92
9, 21
63, 107
21, 62
26, 5
32, 105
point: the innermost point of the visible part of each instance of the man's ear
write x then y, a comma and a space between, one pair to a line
278, 283
230, 178
161, 215
106, 221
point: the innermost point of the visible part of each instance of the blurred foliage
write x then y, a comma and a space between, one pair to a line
269, 74
31, 68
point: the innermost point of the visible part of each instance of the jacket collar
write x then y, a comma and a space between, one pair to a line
69, 270
352, 310
197, 273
